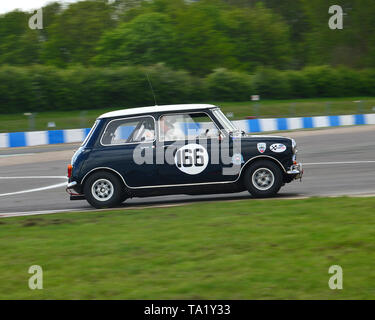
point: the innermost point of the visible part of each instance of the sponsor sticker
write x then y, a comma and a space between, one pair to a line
278, 147
191, 159
261, 147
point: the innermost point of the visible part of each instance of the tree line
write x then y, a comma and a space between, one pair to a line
196, 36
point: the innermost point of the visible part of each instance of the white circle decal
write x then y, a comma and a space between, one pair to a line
278, 147
191, 159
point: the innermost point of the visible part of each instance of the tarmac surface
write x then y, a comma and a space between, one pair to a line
337, 162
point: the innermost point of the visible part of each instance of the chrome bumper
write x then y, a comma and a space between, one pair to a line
73, 195
71, 185
296, 169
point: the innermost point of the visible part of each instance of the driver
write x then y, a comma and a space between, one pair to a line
170, 131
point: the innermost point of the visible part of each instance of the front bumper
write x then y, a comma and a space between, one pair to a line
297, 170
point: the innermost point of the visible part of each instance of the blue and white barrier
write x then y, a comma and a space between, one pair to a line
279, 124
34, 138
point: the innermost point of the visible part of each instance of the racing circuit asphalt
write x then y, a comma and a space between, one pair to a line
337, 161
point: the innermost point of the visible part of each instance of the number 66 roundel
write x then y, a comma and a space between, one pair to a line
191, 159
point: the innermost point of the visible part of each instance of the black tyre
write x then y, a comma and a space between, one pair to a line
104, 190
263, 179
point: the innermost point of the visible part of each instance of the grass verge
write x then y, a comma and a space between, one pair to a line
248, 249
240, 110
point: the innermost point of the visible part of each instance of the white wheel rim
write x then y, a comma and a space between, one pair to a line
263, 179
102, 190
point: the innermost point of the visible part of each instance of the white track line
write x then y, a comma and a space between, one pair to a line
32, 213
54, 186
15, 155
342, 162
36, 177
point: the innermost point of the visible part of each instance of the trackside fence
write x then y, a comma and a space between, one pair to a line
35, 138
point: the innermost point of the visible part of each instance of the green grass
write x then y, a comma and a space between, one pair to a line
248, 249
240, 110
299, 107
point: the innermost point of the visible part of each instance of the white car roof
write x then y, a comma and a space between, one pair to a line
146, 110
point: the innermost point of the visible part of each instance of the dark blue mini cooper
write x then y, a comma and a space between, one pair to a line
177, 149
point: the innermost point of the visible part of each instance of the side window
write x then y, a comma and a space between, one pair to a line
132, 130
187, 126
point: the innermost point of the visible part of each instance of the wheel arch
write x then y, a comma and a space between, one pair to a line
253, 160
104, 169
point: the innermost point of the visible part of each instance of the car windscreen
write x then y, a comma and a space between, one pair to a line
224, 121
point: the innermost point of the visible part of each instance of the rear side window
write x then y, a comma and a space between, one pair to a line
90, 133
130, 130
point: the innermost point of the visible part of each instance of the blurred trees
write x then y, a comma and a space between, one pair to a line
198, 36
192, 51
258, 37
42, 88
147, 39
352, 46
16, 39
73, 34
203, 43
223, 85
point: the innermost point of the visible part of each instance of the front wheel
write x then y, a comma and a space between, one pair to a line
103, 190
263, 179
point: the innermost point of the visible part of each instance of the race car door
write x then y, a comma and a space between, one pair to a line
188, 149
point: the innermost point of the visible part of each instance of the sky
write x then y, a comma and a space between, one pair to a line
25, 5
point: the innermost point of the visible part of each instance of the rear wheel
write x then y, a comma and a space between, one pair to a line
104, 190
263, 179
